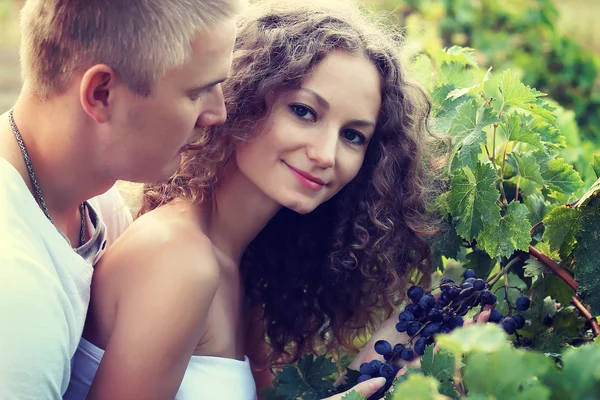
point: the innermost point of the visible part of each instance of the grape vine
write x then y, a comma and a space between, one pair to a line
519, 235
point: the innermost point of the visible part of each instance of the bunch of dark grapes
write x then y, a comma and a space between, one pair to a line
428, 315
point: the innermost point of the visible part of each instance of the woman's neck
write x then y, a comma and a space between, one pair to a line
239, 211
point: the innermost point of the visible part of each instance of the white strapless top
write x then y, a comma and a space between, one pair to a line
206, 377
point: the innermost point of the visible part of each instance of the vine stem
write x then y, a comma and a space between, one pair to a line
506, 293
572, 283
586, 314
505, 270
502, 175
493, 158
554, 267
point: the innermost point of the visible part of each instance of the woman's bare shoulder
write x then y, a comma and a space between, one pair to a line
165, 244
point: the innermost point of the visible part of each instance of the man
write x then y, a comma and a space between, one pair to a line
112, 90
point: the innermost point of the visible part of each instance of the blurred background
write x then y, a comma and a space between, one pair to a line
553, 45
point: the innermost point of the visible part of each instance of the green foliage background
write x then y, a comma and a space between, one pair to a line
552, 46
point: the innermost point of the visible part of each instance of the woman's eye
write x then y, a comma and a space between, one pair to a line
304, 112
354, 137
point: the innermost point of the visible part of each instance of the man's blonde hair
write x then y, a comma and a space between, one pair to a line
140, 39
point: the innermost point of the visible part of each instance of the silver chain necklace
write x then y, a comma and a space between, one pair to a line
36, 186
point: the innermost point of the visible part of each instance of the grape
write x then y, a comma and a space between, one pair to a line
413, 328
479, 284
519, 320
509, 325
452, 292
466, 291
402, 326
434, 315
446, 281
469, 273
407, 354
396, 352
363, 377
526, 342
487, 297
420, 345
456, 321
495, 316
415, 293
548, 320
367, 369
444, 300
414, 309
387, 371
432, 328
383, 347
470, 280
375, 365
406, 316
522, 303
426, 302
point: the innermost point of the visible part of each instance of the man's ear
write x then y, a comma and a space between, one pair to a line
96, 90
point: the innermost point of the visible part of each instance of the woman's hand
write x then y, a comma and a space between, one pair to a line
387, 331
366, 388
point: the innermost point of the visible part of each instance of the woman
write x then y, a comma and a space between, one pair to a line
305, 205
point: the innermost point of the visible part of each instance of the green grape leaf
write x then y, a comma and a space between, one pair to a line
536, 204
510, 234
446, 243
480, 262
351, 379
562, 223
439, 365
458, 93
568, 320
557, 174
596, 165
534, 268
453, 74
447, 389
507, 374
353, 395
462, 55
515, 93
306, 380
550, 341
472, 200
592, 191
579, 376
269, 393
474, 338
467, 132
525, 166
587, 257
417, 387
517, 128
549, 134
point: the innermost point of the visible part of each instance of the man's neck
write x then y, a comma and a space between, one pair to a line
59, 157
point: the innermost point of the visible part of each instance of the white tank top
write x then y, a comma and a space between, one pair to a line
206, 377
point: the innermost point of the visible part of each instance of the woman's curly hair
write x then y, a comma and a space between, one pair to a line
324, 277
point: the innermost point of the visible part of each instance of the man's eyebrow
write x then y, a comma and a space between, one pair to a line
207, 86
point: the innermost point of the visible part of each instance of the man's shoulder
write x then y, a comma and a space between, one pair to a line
113, 212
